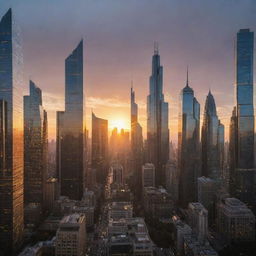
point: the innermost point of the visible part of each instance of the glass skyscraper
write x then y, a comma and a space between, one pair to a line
157, 120
11, 114
71, 129
35, 149
100, 147
243, 175
188, 146
212, 141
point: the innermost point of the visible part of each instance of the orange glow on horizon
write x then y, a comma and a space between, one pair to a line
119, 123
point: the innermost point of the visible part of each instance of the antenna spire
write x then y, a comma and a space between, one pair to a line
187, 77
156, 48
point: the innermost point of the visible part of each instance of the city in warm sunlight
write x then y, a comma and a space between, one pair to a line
127, 128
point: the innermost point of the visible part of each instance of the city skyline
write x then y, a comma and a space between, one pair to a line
179, 45
160, 181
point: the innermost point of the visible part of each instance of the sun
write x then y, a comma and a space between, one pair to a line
119, 124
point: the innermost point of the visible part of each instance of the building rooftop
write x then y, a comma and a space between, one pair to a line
72, 219
235, 207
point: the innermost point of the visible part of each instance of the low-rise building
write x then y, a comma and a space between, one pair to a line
120, 210
71, 236
198, 220
192, 247
129, 237
157, 202
180, 230
235, 220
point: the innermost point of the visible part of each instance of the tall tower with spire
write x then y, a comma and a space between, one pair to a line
212, 140
157, 119
188, 145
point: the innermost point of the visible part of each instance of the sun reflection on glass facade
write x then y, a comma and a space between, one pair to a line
242, 174
11, 171
188, 146
157, 120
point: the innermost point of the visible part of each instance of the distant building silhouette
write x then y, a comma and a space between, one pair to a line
35, 150
100, 147
136, 144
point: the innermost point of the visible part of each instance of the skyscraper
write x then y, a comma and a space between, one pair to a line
71, 128
157, 120
242, 122
188, 146
212, 140
136, 143
100, 147
11, 113
35, 148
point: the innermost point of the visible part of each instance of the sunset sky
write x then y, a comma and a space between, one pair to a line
118, 46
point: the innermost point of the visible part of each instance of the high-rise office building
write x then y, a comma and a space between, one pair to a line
148, 175
99, 146
136, 143
35, 149
242, 174
11, 143
71, 129
188, 146
212, 141
157, 120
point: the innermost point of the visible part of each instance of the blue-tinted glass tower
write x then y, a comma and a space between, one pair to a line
242, 174
157, 120
11, 120
212, 141
71, 129
188, 146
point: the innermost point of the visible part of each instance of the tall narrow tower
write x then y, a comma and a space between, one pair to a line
100, 147
188, 146
35, 149
212, 141
157, 120
11, 142
243, 175
71, 129
136, 144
